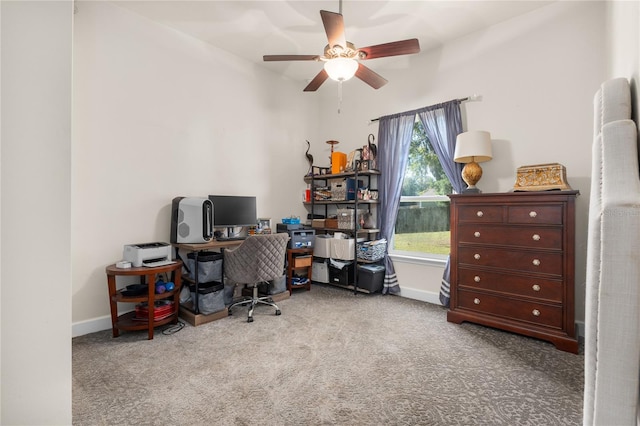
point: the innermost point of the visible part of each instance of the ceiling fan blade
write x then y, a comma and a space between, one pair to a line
395, 48
268, 58
334, 27
370, 77
317, 81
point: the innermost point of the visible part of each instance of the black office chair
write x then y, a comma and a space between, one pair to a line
260, 258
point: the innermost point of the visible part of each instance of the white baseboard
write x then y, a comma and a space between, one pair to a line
91, 326
424, 296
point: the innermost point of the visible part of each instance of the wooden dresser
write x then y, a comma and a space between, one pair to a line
512, 263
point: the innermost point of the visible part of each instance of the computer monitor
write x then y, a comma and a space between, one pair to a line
232, 210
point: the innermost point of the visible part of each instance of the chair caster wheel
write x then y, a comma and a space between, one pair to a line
250, 319
278, 312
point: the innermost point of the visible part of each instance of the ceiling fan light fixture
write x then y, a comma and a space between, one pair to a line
341, 69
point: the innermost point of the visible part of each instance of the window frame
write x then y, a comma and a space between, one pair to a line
424, 256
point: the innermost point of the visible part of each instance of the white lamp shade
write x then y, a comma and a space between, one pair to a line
473, 146
341, 69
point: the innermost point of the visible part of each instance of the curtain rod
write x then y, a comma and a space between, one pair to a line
471, 98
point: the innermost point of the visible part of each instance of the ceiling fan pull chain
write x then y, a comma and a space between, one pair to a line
339, 96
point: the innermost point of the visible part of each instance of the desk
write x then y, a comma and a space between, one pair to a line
127, 321
196, 249
192, 315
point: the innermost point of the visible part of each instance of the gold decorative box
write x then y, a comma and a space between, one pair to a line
541, 177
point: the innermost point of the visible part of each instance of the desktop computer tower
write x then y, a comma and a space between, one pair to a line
191, 220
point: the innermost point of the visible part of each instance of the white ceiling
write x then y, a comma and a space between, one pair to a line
251, 29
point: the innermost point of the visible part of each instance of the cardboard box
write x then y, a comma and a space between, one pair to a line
302, 261
317, 223
331, 223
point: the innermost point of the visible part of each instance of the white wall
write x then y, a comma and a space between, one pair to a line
35, 157
537, 75
158, 114
35, 220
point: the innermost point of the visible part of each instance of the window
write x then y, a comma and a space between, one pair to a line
422, 227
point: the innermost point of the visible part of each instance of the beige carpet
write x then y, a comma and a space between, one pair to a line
332, 357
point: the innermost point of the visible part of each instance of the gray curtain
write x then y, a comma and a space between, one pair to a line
443, 123
394, 140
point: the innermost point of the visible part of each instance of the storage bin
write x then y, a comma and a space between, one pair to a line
342, 249
209, 266
320, 272
229, 292
211, 297
322, 247
338, 190
344, 189
342, 276
371, 277
372, 250
277, 286
346, 218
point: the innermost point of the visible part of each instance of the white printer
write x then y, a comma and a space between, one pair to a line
148, 254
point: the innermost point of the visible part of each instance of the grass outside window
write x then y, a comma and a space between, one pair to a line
423, 242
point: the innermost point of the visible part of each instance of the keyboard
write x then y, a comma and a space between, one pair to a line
230, 238
156, 263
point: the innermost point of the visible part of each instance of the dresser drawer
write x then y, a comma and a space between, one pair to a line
481, 213
541, 214
532, 312
521, 260
515, 285
533, 237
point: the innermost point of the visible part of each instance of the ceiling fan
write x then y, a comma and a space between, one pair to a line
341, 57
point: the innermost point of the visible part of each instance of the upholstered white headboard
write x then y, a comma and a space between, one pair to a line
612, 102
612, 305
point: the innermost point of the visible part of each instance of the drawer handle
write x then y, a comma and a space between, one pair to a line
536, 287
536, 237
477, 278
476, 301
536, 313
479, 213
476, 234
533, 214
476, 256
536, 262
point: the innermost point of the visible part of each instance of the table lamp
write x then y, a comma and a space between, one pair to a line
472, 147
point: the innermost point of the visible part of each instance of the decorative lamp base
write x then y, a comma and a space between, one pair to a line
471, 174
